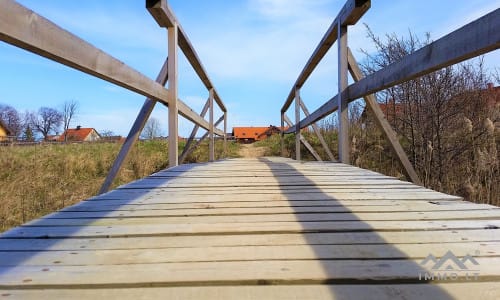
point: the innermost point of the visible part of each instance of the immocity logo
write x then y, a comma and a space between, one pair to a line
450, 267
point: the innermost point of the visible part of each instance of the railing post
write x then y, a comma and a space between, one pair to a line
173, 116
282, 134
343, 104
211, 151
225, 135
297, 123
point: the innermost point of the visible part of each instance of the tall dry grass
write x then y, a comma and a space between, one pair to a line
39, 179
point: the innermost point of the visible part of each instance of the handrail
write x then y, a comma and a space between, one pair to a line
352, 11
26, 29
476, 38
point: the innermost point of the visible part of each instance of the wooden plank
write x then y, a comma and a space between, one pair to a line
239, 228
231, 273
238, 208
350, 13
165, 17
338, 238
100, 220
302, 214
244, 253
471, 290
383, 125
25, 29
135, 131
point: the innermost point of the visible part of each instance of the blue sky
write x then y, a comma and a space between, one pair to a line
253, 50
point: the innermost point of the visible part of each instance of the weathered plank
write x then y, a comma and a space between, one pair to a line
232, 273
147, 228
472, 290
266, 214
474, 237
80, 257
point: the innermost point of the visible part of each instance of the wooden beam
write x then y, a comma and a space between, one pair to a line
383, 125
343, 104
352, 11
473, 39
297, 122
173, 111
225, 135
193, 133
282, 134
211, 144
25, 29
324, 110
484, 30
318, 133
165, 17
134, 133
303, 140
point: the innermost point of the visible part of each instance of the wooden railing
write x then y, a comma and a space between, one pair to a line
473, 39
24, 28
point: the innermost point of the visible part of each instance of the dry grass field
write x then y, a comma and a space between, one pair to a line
38, 179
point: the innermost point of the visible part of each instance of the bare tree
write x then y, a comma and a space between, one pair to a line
47, 120
152, 129
69, 110
11, 118
107, 133
444, 119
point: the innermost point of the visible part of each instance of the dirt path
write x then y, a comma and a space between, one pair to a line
250, 151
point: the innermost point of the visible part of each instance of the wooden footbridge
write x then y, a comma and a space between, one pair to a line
266, 228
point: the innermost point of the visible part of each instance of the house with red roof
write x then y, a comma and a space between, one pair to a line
79, 134
253, 134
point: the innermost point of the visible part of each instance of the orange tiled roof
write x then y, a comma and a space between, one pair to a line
76, 135
248, 132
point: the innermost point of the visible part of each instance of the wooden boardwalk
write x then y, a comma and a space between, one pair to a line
268, 228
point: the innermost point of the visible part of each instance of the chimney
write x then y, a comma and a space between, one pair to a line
78, 127
490, 85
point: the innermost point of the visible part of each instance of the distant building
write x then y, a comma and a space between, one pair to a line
5, 132
253, 134
79, 134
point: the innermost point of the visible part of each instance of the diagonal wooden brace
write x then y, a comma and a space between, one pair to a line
383, 125
304, 141
134, 133
318, 132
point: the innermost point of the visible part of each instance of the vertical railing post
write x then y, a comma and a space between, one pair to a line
343, 116
297, 123
225, 135
211, 150
173, 110
282, 134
